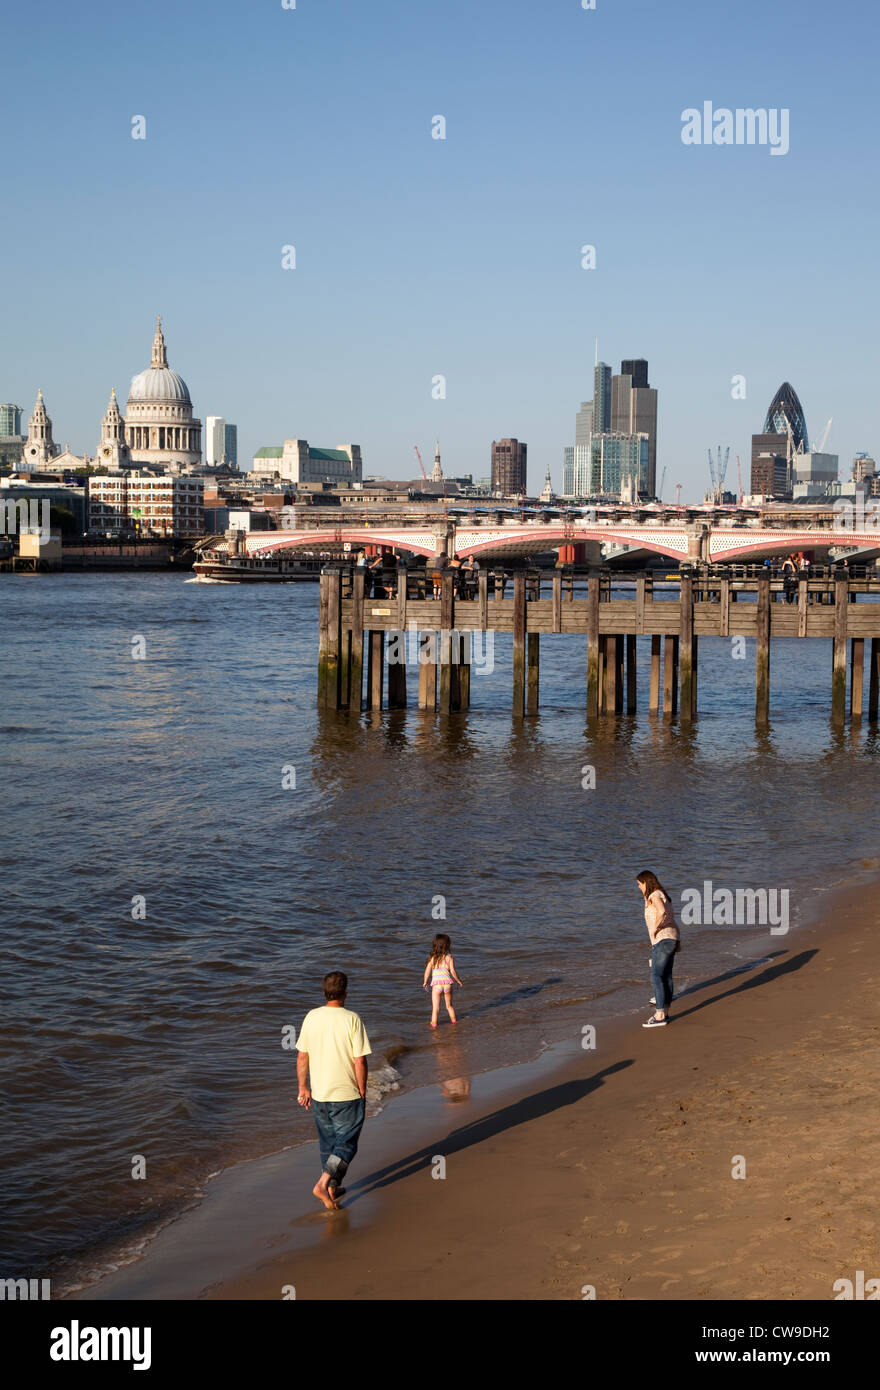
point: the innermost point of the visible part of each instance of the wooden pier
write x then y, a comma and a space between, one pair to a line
675, 611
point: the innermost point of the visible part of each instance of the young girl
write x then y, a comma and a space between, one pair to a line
665, 942
441, 968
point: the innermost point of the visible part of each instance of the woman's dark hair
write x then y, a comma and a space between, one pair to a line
440, 947
651, 883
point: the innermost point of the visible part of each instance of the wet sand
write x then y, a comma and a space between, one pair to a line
609, 1169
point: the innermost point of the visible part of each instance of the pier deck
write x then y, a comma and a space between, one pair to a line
610, 611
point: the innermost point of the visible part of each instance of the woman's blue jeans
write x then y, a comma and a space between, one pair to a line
662, 957
339, 1125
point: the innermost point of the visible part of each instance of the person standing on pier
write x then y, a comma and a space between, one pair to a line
665, 944
332, 1072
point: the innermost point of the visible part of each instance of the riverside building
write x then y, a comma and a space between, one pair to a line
146, 502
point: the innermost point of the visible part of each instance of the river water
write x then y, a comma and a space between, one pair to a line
171, 900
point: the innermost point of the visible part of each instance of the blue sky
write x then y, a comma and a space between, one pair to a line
312, 127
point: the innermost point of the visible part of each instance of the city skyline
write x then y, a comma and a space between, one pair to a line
403, 268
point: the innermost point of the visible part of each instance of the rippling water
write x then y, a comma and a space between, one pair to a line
160, 1035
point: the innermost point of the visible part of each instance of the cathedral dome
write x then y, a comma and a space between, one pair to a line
159, 384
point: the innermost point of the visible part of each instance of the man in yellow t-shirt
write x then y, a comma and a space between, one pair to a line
332, 1072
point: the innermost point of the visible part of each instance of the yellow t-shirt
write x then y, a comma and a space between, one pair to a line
333, 1037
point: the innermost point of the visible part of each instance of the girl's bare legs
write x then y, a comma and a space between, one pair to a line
436, 995
447, 995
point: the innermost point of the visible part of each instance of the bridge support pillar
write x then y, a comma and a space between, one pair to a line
654, 687
874, 679
670, 675
838, 656
762, 653
594, 661
375, 663
856, 677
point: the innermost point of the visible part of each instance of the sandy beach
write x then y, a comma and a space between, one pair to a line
612, 1172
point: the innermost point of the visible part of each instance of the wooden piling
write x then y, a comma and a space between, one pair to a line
356, 660
592, 646
610, 693
444, 655
838, 654
533, 666
631, 674
857, 672
375, 664
428, 671
464, 671
874, 679
519, 644
686, 646
557, 602
670, 675
397, 671
329, 635
654, 688
762, 652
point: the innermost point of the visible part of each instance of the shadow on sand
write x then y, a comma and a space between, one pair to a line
555, 1097
521, 1111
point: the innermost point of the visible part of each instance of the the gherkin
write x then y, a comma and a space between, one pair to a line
785, 409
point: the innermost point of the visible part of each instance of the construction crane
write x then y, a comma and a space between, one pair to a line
824, 438
678, 494
662, 481
739, 474
421, 465
718, 472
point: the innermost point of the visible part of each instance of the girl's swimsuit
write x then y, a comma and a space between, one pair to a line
440, 977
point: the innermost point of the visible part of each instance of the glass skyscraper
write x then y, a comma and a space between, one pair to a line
785, 409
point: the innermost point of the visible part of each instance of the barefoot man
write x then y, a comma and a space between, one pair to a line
333, 1047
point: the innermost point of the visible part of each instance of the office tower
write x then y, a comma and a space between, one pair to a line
634, 411
783, 438
637, 368
617, 460
10, 420
568, 471
769, 465
508, 467
230, 446
863, 466
215, 440
784, 411
12, 441
583, 430
601, 398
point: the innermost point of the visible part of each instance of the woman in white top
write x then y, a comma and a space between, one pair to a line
665, 943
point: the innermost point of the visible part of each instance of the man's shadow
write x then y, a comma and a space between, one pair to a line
529, 1108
